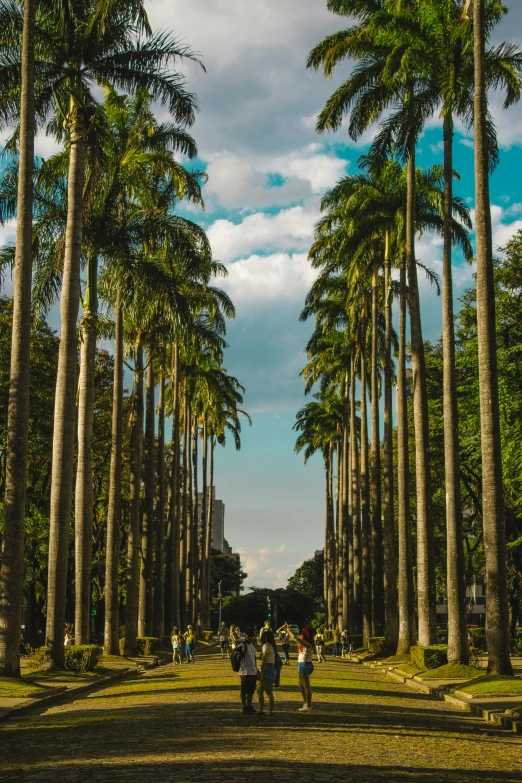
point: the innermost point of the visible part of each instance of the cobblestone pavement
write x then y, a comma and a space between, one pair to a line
184, 724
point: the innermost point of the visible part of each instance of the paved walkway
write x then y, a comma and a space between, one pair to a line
184, 724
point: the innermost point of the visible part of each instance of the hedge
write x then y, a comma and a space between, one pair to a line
145, 645
429, 657
478, 638
82, 657
375, 644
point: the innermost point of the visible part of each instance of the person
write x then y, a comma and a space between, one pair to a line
223, 639
235, 636
319, 646
177, 643
284, 637
68, 636
344, 643
335, 636
248, 670
268, 674
350, 648
190, 643
305, 667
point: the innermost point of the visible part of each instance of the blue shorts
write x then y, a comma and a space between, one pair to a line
305, 668
270, 672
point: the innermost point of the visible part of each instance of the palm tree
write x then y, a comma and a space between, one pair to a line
11, 572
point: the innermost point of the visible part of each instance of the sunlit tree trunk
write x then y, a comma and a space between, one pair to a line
209, 518
205, 611
159, 560
147, 524
189, 533
377, 553
344, 500
172, 542
195, 523
366, 549
356, 622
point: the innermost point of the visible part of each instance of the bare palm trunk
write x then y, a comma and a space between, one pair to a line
12, 567
172, 538
136, 449
356, 622
425, 551
377, 553
111, 637
339, 536
351, 506
329, 542
492, 491
84, 490
209, 519
366, 550
189, 535
458, 651
344, 501
205, 610
195, 523
159, 560
405, 582
391, 616
184, 530
65, 399
147, 524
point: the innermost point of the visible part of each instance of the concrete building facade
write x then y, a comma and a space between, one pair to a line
218, 518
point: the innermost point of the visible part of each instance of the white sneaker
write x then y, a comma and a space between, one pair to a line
305, 708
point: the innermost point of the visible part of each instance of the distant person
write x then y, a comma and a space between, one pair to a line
244, 658
190, 644
305, 667
319, 646
235, 636
177, 644
68, 640
335, 637
223, 640
284, 638
344, 643
268, 674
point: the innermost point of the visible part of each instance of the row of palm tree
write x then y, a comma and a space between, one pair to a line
412, 59
107, 204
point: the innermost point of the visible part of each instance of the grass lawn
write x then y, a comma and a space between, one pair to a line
493, 685
18, 688
405, 658
452, 671
409, 668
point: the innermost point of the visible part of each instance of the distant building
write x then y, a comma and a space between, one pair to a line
475, 605
218, 519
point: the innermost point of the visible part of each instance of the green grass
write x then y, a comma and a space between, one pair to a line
452, 671
493, 685
409, 668
18, 688
405, 658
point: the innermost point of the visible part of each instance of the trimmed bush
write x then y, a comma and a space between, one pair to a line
145, 645
82, 657
429, 657
39, 659
375, 644
478, 638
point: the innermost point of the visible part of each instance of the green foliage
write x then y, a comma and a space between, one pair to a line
429, 657
375, 644
227, 569
308, 579
82, 657
145, 645
478, 638
39, 659
292, 607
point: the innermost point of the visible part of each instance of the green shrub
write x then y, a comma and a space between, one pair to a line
375, 644
328, 635
478, 638
82, 657
429, 657
145, 645
39, 659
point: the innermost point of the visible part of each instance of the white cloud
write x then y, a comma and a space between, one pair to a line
282, 548
45, 146
321, 170
288, 230
258, 280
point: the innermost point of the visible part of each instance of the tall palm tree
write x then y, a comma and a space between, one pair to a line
11, 571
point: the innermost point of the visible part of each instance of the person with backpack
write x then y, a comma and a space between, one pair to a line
190, 644
284, 638
305, 667
177, 643
243, 661
269, 672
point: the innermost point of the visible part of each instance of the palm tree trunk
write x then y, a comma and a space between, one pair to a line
329, 543
344, 501
195, 524
339, 536
205, 610
111, 636
391, 615
172, 542
65, 400
377, 553
356, 622
405, 581
147, 524
183, 543
425, 552
189, 534
366, 597
12, 560
136, 449
492, 491
350, 500
159, 561
209, 520
84, 490
458, 651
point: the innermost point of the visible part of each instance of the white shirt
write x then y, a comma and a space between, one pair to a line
248, 664
305, 655
270, 654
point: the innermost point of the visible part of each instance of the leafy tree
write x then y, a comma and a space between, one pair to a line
308, 578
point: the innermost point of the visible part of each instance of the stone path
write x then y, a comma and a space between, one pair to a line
184, 724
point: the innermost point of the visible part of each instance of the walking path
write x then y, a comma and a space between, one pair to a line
184, 724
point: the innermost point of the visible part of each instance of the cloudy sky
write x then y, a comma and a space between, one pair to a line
267, 170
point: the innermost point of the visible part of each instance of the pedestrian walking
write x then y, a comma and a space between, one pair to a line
244, 663
319, 646
305, 667
284, 638
268, 674
177, 644
190, 644
336, 637
223, 640
344, 643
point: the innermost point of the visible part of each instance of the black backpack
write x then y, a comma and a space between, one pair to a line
236, 659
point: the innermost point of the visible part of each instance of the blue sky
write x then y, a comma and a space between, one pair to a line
267, 170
